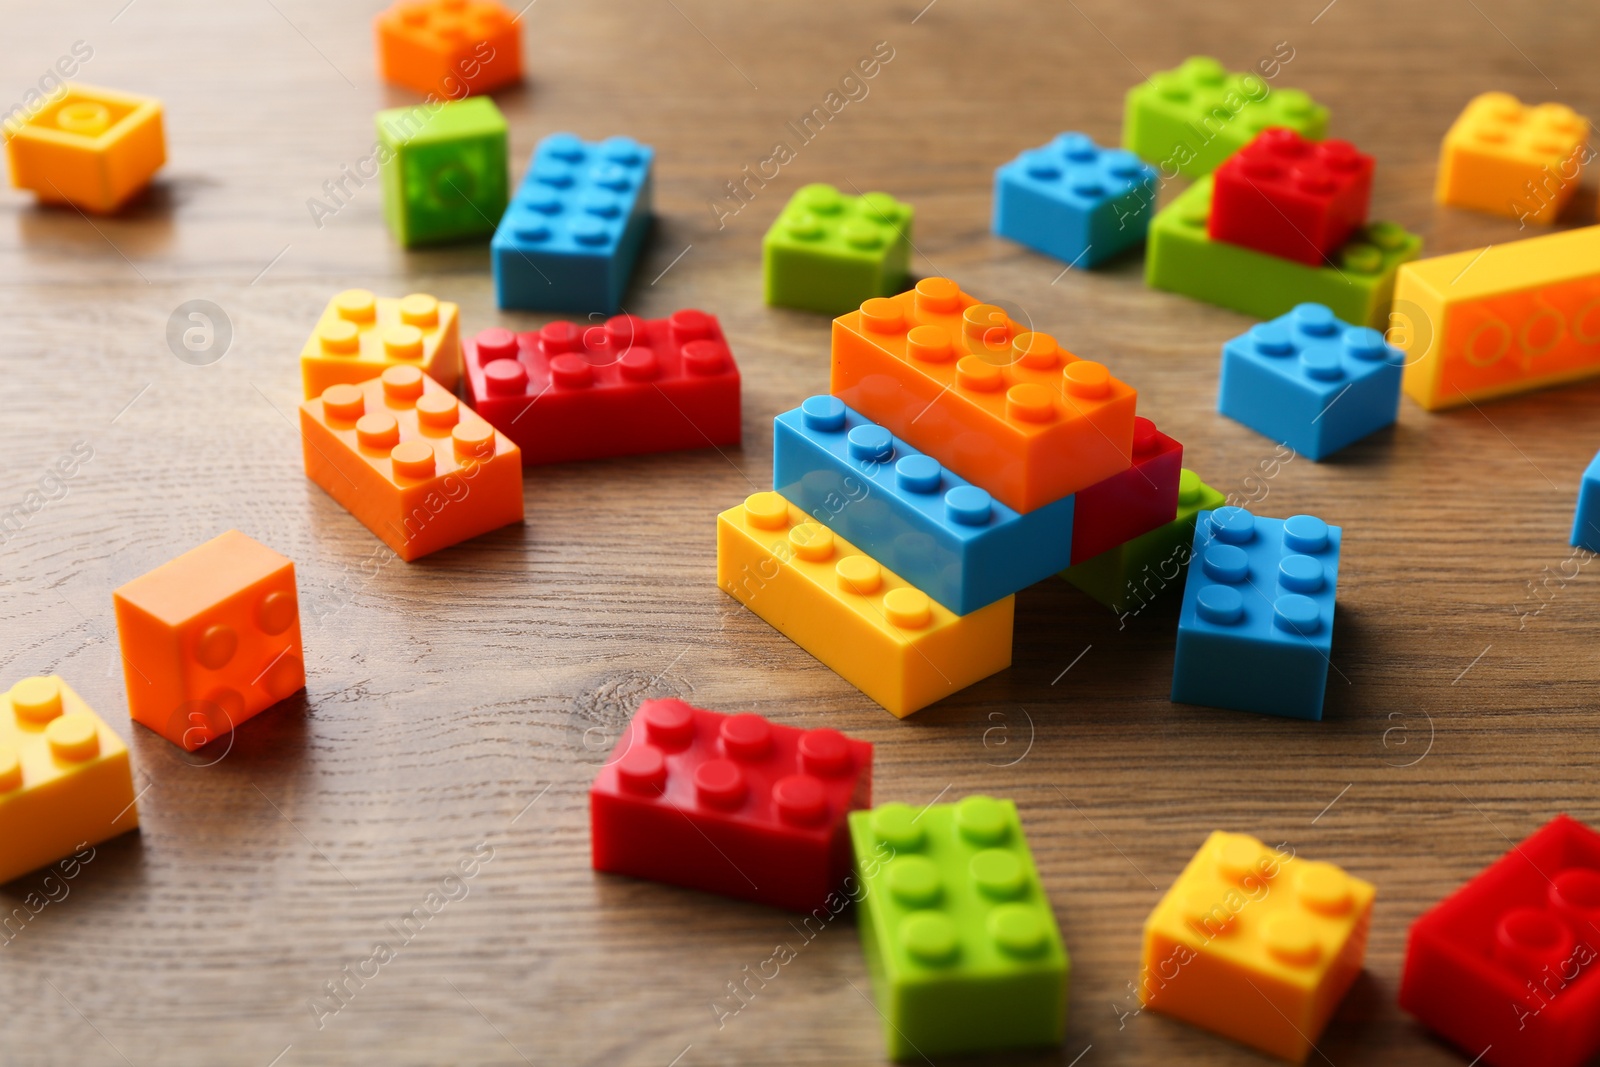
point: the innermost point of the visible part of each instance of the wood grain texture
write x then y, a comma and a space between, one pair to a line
465, 700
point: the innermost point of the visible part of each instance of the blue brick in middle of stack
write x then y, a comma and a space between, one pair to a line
935, 529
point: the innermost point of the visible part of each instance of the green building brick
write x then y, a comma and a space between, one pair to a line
963, 948
1358, 284
1130, 576
830, 252
445, 175
1187, 121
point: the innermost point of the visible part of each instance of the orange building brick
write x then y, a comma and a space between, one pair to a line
92, 148
210, 639
360, 336
1507, 158
449, 48
1007, 409
419, 468
65, 781
1498, 321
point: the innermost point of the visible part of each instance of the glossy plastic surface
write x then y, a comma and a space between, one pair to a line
572, 234
1257, 622
731, 804
210, 639
872, 627
960, 939
416, 466
569, 392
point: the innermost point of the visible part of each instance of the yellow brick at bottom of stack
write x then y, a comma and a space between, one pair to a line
872, 627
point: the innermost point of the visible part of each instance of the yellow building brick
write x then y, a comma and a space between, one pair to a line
360, 336
92, 148
1256, 944
880, 634
64, 777
1505, 157
1500, 320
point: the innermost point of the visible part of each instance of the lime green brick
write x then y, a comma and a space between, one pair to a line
829, 252
1130, 576
445, 175
1187, 121
962, 945
1358, 284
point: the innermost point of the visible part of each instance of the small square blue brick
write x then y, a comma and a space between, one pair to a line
1074, 200
572, 234
935, 529
1586, 521
1257, 622
1311, 382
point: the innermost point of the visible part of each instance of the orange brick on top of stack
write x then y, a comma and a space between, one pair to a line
1009, 409
940, 403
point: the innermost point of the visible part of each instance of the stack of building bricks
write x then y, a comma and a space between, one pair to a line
958, 459
1280, 221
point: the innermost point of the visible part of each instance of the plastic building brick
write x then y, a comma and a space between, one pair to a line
631, 386
573, 232
359, 336
1133, 501
1509, 159
1310, 381
415, 465
1256, 944
1132, 575
1527, 315
210, 639
1356, 284
935, 529
1009, 410
1290, 197
65, 782
1507, 968
445, 174
960, 939
866, 623
1074, 200
449, 49
828, 252
1187, 121
91, 148
731, 804
1257, 621
1586, 519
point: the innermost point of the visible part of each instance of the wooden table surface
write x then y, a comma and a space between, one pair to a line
457, 707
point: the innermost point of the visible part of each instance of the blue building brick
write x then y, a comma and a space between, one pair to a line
1310, 381
1074, 200
1586, 520
932, 527
1257, 621
570, 238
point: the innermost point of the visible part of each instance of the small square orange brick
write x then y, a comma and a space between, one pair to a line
210, 639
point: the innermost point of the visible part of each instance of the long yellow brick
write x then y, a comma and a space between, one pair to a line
1500, 320
865, 622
